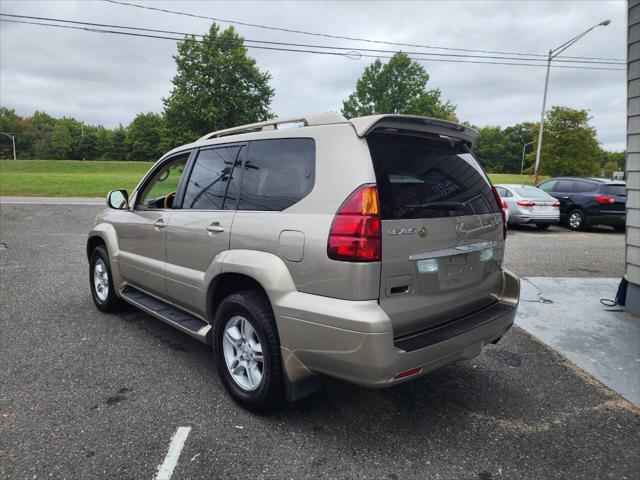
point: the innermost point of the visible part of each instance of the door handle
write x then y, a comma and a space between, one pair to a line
215, 228
158, 224
565, 198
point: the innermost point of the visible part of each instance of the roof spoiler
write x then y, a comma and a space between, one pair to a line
365, 125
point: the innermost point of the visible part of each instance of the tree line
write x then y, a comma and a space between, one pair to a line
218, 85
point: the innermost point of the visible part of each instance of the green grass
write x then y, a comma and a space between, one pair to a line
513, 178
73, 178
59, 178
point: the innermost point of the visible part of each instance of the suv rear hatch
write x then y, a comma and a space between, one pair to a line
442, 232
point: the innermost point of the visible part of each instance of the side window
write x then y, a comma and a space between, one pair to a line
160, 191
501, 191
564, 186
548, 185
584, 187
209, 180
277, 173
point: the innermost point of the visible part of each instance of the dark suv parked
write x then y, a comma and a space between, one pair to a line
588, 201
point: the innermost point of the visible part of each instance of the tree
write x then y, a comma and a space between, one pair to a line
61, 142
217, 86
569, 144
612, 161
144, 137
23, 132
492, 148
518, 135
399, 86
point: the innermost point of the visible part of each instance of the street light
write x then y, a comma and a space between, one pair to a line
553, 54
524, 147
13, 141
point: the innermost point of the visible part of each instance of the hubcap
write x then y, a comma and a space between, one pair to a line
101, 280
575, 219
243, 353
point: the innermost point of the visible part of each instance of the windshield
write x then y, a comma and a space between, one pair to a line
422, 177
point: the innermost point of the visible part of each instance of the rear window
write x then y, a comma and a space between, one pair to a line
615, 190
532, 192
420, 177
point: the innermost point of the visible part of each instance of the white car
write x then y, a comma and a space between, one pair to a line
529, 205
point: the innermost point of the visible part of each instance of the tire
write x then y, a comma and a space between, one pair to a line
542, 226
620, 228
103, 292
248, 319
577, 220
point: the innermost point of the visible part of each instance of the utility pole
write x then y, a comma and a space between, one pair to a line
552, 54
13, 141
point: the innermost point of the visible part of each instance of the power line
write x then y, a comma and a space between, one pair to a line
349, 55
340, 37
354, 50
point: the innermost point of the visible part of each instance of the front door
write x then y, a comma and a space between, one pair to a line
200, 227
142, 231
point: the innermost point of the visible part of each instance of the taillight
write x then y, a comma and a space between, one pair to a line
504, 215
605, 199
355, 234
556, 205
526, 203
505, 204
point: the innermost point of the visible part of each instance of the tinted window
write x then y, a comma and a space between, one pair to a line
584, 187
209, 179
426, 178
614, 190
532, 192
501, 191
564, 186
277, 173
160, 190
548, 186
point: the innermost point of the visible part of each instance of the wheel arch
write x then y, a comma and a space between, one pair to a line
247, 270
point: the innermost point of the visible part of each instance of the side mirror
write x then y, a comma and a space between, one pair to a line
118, 199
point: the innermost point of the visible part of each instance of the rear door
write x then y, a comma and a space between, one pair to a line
200, 227
442, 236
563, 191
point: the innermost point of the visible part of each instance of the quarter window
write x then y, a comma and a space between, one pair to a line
212, 173
584, 187
277, 173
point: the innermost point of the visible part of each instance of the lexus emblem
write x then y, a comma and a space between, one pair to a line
422, 231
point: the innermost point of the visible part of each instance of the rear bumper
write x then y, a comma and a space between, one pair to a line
520, 219
371, 356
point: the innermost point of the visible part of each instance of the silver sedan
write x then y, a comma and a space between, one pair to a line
530, 205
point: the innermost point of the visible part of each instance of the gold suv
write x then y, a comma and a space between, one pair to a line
367, 249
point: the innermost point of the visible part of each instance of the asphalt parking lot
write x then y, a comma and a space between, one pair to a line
89, 395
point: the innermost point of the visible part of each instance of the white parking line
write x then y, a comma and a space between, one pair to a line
165, 471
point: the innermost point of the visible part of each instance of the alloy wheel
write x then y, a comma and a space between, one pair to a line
243, 353
101, 280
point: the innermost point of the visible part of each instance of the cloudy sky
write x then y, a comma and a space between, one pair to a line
107, 79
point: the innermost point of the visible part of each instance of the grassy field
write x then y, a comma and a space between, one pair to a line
72, 178
59, 178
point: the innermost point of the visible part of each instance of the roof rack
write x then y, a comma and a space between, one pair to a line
278, 123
